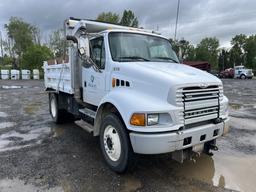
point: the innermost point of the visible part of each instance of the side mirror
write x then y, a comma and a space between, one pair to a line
84, 46
84, 52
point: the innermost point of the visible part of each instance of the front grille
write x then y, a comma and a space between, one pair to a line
200, 104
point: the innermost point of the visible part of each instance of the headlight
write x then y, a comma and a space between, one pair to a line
152, 119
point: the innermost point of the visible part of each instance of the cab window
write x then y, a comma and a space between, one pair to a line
97, 51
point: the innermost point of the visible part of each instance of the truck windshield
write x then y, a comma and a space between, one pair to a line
125, 47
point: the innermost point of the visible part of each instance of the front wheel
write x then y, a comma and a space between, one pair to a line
115, 144
242, 76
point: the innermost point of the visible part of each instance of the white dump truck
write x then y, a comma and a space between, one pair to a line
126, 86
242, 72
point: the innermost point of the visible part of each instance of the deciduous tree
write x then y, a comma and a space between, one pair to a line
21, 36
184, 49
129, 19
250, 51
237, 51
108, 17
34, 56
58, 44
224, 60
207, 50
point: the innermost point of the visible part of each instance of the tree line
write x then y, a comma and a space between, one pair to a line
22, 48
242, 51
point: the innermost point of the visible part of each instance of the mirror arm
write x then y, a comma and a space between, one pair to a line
72, 38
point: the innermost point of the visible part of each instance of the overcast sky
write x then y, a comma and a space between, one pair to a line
197, 18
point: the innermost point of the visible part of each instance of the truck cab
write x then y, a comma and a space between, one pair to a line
126, 86
242, 72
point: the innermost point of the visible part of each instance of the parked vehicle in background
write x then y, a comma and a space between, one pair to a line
127, 86
203, 65
242, 72
227, 73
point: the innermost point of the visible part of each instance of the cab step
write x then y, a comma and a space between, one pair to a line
88, 112
84, 125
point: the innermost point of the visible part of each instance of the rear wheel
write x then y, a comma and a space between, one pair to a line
58, 115
115, 144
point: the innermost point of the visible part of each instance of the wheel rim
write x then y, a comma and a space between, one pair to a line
112, 144
53, 108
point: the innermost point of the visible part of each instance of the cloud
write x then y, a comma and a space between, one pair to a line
197, 18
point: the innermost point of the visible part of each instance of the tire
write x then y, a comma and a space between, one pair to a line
115, 144
242, 76
58, 115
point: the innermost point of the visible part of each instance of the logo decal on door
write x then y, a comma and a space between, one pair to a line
91, 84
92, 78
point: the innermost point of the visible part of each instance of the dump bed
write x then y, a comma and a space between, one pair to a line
57, 77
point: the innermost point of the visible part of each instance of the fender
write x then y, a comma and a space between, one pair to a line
128, 101
224, 103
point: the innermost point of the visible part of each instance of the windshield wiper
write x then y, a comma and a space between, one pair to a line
167, 58
132, 58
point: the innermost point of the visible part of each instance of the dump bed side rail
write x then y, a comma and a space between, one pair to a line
57, 77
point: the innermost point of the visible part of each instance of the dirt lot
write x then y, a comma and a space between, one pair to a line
37, 155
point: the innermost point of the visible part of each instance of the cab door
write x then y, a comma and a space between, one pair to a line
94, 87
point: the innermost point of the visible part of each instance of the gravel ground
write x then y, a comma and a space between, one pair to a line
38, 155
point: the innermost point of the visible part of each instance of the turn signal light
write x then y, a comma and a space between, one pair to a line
138, 119
113, 82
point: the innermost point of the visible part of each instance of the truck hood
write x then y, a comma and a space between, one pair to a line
178, 73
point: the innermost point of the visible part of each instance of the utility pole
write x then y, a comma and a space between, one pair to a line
1, 46
177, 19
223, 64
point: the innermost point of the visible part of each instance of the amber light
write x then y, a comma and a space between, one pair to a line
138, 119
113, 82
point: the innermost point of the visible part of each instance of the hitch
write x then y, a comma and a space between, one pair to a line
181, 155
210, 146
213, 147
